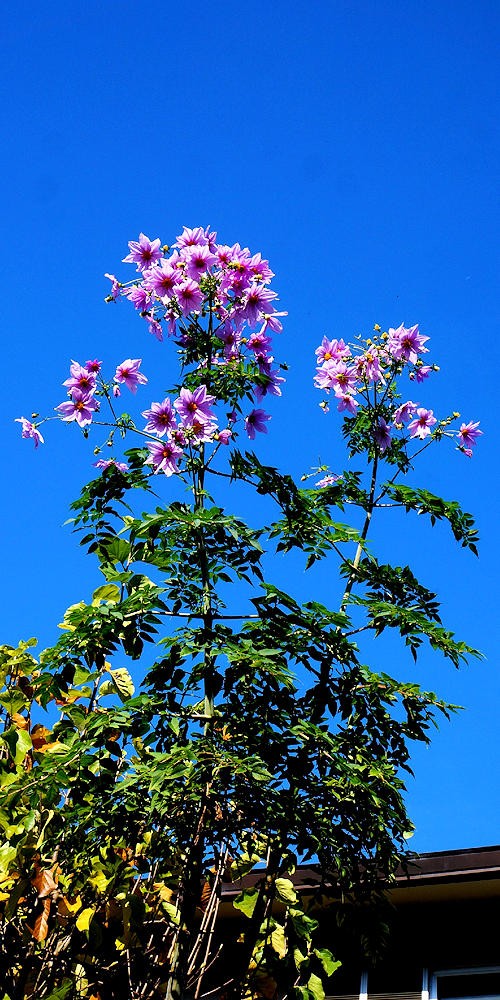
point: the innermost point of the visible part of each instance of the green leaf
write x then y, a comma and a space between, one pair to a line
108, 592
107, 687
18, 742
62, 991
7, 854
123, 683
117, 551
278, 940
327, 960
246, 901
285, 890
299, 957
315, 987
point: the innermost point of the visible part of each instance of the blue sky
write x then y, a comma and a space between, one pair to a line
356, 145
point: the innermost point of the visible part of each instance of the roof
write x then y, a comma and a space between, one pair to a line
442, 874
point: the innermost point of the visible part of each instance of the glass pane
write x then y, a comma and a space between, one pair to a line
478, 985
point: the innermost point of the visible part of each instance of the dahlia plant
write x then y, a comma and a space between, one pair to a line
248, 737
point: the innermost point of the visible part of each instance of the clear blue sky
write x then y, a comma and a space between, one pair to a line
355, 144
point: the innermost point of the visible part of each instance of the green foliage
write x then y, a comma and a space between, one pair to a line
173, 744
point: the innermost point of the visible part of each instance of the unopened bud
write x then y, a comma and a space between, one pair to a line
377, 328
455, 415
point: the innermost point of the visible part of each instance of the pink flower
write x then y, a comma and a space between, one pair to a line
80, 408
347, 402
198, 260
382, 434
30, 430
404, 413
93, 366
406, 344
161, 418
225, 436
421, 427
144, 252
115, 288
164, 456
368, 366
338, 376
189, 296
257, 302
256, 421
155, 327
81, 378
201, 430
273, 382
259, 343
195, 405
109, 463
163, 279
140, 296
332, 350
128, 373
421, 373
271, 321
326, 481
192, 237
467, 435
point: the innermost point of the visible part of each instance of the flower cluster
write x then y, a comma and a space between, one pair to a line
215, 301
190, 420
84, 385
366, 372
200, 276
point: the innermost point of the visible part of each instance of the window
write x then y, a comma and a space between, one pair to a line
465, 984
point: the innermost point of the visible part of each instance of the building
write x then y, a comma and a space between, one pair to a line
438, 939
443, 937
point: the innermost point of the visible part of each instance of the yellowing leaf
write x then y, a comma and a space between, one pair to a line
108, 592
278, 940
67, 907
39, 736
19, 720
66, 624
315, 986
44, 883
285, 890
100, 882
7, 854
40, 927
83, 921
123, 683
55, 747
